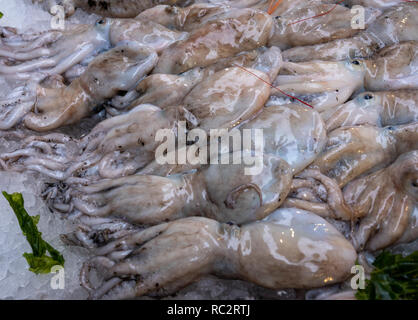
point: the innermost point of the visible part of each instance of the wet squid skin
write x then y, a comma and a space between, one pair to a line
396, 24
119, 69
35, 57
116, 146
123, 144
165, 90
374, 3
145, 199
208, 27
384, 201
311, 190
297, 27
295, 133
327, 84
322, 84
289, 249
114, 8
353, 151
394, 67
231, 33
117, 35
379, 108
131, 8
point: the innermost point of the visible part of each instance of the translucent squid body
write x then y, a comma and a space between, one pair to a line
322, 84
119, 69
295, 133
385, 201
352, 151
380, 108
224, 36
327, 84
308, 25
220, 192
114, 8
123, 144
290, 248
35, 57
223, 192
131, 8
397, 23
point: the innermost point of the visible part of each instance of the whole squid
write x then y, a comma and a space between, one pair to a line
398, 23
384, 201
44, 109
289, 249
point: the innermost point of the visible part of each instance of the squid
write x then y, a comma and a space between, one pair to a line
322, 84
221, 192
308, 25
44, 109
293, 22
393, 68
397, 24
295, 133
225, 36
353, 151
53, 155
121, 145
290, 248
112, 8
165, 90
287, 149
384, 108
328, 84
131, 8
374, 3
320, 194
384, 201
35, 57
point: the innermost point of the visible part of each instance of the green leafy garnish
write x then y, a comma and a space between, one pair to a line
395, 278
1, 15
38, 261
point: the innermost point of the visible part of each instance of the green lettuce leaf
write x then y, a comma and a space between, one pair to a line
395, 277
38, 260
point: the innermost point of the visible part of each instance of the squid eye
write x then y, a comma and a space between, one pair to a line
101, 21
355, 62
368, 97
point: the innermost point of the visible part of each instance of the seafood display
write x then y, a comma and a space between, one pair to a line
269, 142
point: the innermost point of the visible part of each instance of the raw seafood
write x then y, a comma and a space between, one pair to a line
384, 201
322, 84
398, 23
35, 57
121, 145
352, 151
144, 199
233, 32
289, 249
119, 69
381, 109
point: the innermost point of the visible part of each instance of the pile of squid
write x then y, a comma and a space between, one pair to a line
337, 105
